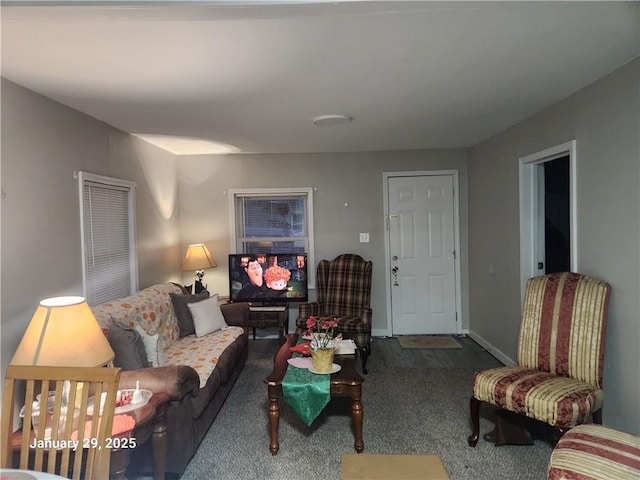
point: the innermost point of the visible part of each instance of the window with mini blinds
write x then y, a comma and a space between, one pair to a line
273, 220
107, 217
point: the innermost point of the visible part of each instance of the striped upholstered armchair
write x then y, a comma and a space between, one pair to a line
558, 377
343, 288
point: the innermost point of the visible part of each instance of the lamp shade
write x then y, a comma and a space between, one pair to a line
63, 333
198, 257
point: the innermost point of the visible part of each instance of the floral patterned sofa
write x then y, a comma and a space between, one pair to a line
197, 371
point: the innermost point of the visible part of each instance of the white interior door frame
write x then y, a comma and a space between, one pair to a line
530, 208
387, 260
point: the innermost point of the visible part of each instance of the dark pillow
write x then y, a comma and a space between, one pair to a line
128, 347
185, 320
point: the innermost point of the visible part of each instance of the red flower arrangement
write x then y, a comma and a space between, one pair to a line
322, 332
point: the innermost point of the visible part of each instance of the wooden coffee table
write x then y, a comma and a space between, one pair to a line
345, 383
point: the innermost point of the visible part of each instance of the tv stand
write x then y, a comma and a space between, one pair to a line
269, 307
269, 316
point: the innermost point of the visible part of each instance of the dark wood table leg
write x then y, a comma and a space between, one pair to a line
159, 443
274, 420
118, 464
357, 413
474, 407
364, 355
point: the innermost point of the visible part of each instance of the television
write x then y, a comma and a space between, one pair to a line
268, 278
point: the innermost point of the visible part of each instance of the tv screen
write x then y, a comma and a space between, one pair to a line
268, 278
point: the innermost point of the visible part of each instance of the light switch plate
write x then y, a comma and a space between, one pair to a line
364, 237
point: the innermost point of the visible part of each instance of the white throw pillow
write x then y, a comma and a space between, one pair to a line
155, 353
207, 316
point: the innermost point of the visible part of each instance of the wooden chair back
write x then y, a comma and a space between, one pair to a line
79, 407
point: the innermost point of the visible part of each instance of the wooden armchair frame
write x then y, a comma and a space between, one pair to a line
89, 458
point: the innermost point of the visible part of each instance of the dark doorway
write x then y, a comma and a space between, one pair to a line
557, 234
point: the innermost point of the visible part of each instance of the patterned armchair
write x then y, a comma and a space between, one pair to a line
558, 377
344, 291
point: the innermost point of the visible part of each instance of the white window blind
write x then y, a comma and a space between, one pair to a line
108, 238
273, 221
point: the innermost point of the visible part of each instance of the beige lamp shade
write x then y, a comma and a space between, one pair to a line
198, 257
63, 333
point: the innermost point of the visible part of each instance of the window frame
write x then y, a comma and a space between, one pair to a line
83, 179
307, 192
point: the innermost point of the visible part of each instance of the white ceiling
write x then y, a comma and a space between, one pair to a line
253, 75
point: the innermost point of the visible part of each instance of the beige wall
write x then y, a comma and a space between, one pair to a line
43, 143
352, 178
158, 226
603, 118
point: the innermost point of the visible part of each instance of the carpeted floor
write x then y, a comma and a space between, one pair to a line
415, 402
428, 341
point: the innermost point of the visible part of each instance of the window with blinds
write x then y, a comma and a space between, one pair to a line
108, 238
273, 221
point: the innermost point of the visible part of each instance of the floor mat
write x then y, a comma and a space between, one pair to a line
392, 467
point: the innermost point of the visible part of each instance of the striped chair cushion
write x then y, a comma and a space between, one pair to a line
556, 400
563, 325
594, 452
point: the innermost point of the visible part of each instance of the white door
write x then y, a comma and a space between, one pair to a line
422, 254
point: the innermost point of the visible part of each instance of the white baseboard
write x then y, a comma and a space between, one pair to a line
492, 350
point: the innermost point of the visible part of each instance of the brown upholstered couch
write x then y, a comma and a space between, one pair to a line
135, 325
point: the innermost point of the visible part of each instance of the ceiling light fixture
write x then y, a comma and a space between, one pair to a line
332, 119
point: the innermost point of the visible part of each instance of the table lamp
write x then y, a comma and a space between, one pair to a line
198, 258
63, 333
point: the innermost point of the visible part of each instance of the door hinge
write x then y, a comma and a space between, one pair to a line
454, 254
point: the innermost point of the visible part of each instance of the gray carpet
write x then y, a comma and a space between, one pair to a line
415, 402
428, 341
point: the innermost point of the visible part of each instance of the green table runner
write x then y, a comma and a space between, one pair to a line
305, 392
